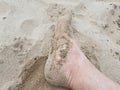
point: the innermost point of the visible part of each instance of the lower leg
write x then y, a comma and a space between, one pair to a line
86, 77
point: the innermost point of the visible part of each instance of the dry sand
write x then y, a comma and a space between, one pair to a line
25, 33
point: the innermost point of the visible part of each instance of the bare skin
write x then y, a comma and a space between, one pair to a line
67, 65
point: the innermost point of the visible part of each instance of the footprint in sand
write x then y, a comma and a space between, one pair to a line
28, 26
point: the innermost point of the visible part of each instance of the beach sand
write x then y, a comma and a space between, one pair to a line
25, 34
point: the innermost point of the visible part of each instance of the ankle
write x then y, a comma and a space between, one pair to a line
82, 76
74, 77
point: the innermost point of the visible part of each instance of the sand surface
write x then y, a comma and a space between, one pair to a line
25, 33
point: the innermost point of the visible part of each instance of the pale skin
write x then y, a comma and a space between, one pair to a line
76, 71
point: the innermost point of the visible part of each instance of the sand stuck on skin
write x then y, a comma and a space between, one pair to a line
25, 34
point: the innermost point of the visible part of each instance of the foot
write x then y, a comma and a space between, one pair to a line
61, 44
64, 53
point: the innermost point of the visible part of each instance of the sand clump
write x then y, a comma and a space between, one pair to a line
26, 30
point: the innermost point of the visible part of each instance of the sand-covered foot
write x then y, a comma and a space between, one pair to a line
60, 46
